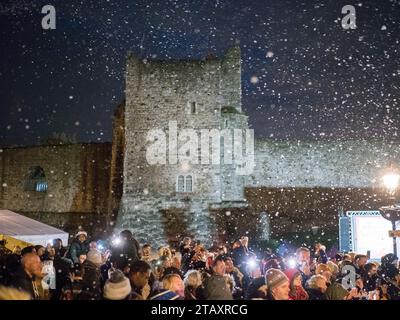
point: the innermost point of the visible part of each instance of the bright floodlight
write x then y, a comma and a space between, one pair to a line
116, 241
252, 263
391, 181
292, 263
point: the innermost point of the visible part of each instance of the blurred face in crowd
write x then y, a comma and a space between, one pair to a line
82, 258
176, 262
57, 244
327, 275
93, 245
177, 285
360, 283
219, 268
229, 265
321, 284
303, 256
146, 250
362, 261
32, 264
281, 292
82, 238
373, 271
51, 252
41, 251
140, 279
167, 263
297, 281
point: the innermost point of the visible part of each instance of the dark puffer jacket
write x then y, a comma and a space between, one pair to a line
76, 249
91, 282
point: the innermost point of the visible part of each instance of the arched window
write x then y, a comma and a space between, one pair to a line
189, 183
180, 184
184, 183
36, 180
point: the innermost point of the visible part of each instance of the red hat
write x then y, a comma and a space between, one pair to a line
291, 273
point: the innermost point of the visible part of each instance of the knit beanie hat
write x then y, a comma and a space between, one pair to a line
117, 287
81, 232
274, 278
95, 257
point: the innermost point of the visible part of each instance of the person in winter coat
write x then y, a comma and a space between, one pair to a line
194, 289
216, 287
359, 261
297, 291
335, 290
125, 251
257, 289
80, 246
390, 274
173, 288
198, 258
91, 280
139, 276
40, 251
241, 253
277, 285
303, 261
317, 287
63, 267
320, 253
369, 276
73, 287
25, 278
237, 277
59, 248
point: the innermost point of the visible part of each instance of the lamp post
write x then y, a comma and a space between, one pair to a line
392, 211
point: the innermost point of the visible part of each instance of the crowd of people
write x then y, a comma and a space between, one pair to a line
124, 270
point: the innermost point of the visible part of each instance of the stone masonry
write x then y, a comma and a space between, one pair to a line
203, 94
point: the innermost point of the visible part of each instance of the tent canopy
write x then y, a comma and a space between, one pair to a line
29, 230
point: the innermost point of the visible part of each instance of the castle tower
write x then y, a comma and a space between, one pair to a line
169, 103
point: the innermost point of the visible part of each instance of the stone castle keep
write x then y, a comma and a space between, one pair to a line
293, 187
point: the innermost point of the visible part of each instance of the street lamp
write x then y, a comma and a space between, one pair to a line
391, 182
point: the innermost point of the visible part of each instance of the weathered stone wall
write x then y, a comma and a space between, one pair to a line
158, 92
117, 166
301, 185
322, 164
77, 176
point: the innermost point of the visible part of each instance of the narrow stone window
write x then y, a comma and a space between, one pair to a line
189, 183
192, 107
180, 184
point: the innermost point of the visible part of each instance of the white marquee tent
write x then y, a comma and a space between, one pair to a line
23, 228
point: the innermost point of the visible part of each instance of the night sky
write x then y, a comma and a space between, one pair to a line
304, 77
